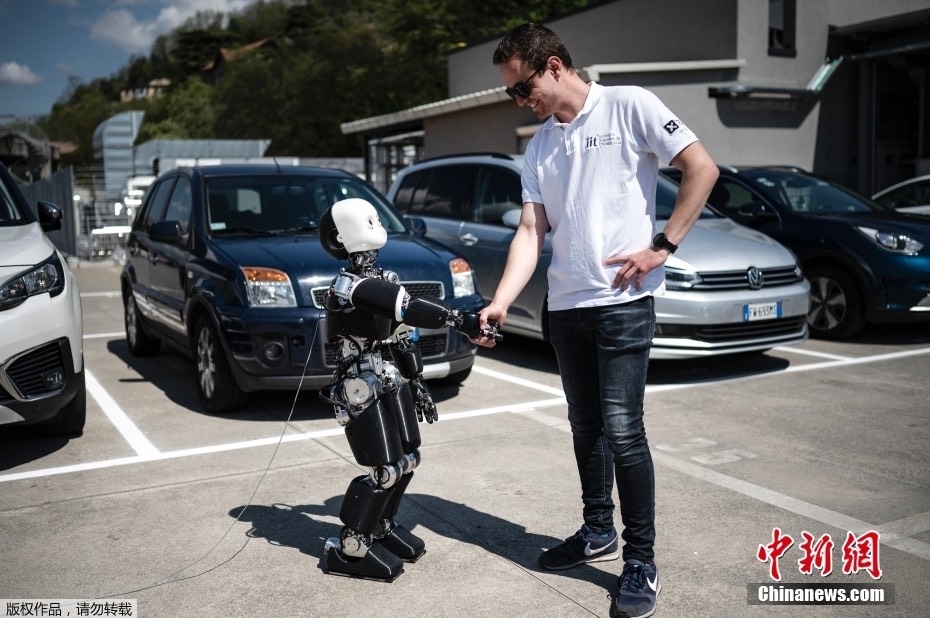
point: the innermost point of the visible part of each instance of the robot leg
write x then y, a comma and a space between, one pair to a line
375, 442
392, 535
354, 553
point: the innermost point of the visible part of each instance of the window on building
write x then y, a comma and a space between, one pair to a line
782, 27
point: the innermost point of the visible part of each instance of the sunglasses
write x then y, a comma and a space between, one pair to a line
523, 89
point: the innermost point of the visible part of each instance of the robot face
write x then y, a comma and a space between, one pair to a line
359, 227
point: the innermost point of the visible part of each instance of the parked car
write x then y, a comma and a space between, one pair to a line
909, 196
225, 262
866, 262
41, 333
730, 289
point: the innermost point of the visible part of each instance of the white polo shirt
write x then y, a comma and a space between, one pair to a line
596, 177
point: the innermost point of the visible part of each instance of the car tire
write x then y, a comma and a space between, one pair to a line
216, 384
836, 309
139, 342
70, 420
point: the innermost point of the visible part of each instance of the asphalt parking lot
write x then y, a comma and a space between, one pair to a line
193, 514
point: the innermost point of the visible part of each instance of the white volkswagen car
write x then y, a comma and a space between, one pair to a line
41, 352
730, 289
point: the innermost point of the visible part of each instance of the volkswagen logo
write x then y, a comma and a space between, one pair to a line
755, 277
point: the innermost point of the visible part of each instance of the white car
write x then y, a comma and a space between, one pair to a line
730, 289
41, 348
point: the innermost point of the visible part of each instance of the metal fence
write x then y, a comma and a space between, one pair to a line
59, 190
90, 227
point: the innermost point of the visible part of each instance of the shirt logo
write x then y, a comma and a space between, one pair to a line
671, 126
604, 139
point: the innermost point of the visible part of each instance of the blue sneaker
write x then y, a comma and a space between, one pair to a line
586, 545
639, 586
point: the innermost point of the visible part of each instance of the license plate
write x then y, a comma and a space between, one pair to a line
761, 311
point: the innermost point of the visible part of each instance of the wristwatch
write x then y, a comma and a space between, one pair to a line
661, 241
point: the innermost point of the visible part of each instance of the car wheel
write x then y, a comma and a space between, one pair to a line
836, 310
218, 389
70, 420
456, 378
140, 344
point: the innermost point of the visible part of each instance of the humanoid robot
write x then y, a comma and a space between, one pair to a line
377, 390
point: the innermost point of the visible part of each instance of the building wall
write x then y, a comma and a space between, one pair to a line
625, 31
490, 129
736, 131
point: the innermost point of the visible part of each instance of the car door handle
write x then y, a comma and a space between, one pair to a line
153, 258
468, 239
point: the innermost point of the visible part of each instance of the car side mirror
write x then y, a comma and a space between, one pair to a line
49, 216
756, 212
417, 224
166, 231
511, 218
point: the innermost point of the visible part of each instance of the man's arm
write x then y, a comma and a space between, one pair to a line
522, 258
698, 175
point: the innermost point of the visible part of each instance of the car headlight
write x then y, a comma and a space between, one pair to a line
46, 278
463, 280
680, 279
268, 287
892, 241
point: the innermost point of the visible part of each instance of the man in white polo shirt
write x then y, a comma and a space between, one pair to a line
590, 174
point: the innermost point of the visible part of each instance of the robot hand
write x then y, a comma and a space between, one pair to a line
469, 323
423, 401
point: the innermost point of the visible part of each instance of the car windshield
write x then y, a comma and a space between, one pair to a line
270, 205
666, 193
808, 195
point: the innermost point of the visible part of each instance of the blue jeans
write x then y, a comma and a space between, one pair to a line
603, 356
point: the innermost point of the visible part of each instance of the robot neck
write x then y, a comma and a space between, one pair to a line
362, 262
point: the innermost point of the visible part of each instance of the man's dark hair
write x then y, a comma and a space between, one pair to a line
534, 45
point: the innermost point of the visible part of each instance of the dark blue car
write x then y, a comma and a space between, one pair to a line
225, 262
866, 263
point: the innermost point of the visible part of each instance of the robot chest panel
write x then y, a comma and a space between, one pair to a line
360, 324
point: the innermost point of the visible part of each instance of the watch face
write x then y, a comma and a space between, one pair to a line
662, 241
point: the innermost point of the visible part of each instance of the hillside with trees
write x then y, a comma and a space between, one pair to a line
291, 71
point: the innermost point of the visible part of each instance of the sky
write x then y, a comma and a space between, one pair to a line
43, 42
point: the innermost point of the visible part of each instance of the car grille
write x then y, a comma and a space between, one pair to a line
743, 331
25, 373
431, 346
414, 288
739, 279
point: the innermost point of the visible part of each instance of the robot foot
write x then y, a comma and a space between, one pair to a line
404, 544
378, 564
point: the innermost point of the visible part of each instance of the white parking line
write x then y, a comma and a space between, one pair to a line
136, 439
793, 505
895, 533
116, 335
100, 294
804, 352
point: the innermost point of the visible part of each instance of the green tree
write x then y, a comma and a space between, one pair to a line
185, 112
331, 61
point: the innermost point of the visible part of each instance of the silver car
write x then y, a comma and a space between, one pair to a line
730, 289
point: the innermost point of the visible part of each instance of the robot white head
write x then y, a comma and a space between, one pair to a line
350, 226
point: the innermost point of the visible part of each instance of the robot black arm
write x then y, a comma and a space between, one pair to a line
391, 300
